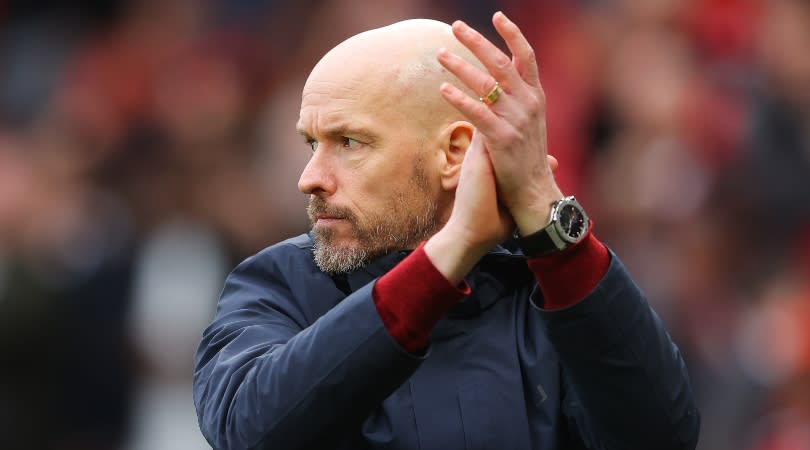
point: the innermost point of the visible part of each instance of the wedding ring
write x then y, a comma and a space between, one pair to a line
492, 96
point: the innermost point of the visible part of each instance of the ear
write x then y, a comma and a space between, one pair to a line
457, 138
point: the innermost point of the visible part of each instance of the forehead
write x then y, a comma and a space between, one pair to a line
360, 84
338, 95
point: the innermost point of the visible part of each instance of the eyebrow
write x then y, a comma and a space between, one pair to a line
343, 130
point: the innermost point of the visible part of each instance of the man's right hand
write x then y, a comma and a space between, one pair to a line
478, 222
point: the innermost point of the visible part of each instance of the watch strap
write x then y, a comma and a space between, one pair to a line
538, 243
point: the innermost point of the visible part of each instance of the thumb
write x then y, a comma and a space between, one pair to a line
553, 163
475, 158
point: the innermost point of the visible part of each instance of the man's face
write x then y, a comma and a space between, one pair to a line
370, 188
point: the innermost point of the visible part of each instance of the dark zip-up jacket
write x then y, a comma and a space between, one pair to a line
296, 359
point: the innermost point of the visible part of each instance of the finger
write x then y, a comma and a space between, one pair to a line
522, 52
488, 118
479, 114
496, 62
478, 81
552, 163
475, 151
476, 160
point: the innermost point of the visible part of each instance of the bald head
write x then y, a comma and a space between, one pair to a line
393, 68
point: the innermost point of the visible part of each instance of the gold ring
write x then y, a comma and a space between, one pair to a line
492, 96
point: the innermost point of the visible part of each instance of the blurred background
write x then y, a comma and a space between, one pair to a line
147, 146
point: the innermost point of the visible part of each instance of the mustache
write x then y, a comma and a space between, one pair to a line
318, 206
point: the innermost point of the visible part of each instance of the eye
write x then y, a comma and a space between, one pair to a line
350, 143
313, 144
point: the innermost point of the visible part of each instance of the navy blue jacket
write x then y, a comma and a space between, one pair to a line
297, 359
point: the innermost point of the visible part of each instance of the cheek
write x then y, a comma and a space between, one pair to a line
377, 198
365, 194
395, 178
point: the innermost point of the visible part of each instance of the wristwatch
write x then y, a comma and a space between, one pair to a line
569, 225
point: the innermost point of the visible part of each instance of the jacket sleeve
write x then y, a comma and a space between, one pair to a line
626, 385
264, 378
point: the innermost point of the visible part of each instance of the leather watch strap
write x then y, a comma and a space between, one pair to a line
538, 243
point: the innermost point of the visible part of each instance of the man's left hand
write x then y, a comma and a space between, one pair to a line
513, 127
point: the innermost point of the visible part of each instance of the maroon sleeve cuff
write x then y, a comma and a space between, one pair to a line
569, 276
413, 297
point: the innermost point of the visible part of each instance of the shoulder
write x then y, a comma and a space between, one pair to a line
275, 268
299, 245
295, 252
281, 280
281, 277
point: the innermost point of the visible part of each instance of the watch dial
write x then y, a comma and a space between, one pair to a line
572, 221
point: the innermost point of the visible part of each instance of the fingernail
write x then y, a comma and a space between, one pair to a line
447, 89
463, 27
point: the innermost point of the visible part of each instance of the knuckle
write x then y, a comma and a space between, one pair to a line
538, 101
485, 86
534, 104
502, 62
530, 55
509, 135
523, 121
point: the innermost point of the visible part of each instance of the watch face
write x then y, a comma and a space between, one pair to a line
572, 222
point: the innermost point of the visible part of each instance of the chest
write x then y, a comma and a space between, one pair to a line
489, 381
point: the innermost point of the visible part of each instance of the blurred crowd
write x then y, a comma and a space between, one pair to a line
147, 146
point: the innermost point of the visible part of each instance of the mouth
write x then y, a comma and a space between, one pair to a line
323, 215
322, 219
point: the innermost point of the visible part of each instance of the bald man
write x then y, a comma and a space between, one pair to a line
399, 321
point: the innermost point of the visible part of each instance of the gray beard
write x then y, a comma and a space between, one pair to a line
334, 261
384, 237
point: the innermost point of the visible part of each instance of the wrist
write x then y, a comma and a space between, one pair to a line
536, 213
452, 254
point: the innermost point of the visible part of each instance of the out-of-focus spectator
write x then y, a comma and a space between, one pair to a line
66, 251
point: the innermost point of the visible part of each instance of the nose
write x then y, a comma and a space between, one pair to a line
318, 176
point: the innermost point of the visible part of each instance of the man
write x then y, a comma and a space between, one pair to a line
345, 338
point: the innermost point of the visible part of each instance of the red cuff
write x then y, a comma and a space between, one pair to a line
413, 297
567, 277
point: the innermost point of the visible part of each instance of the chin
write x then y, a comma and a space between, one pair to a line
333, 239
334, 257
